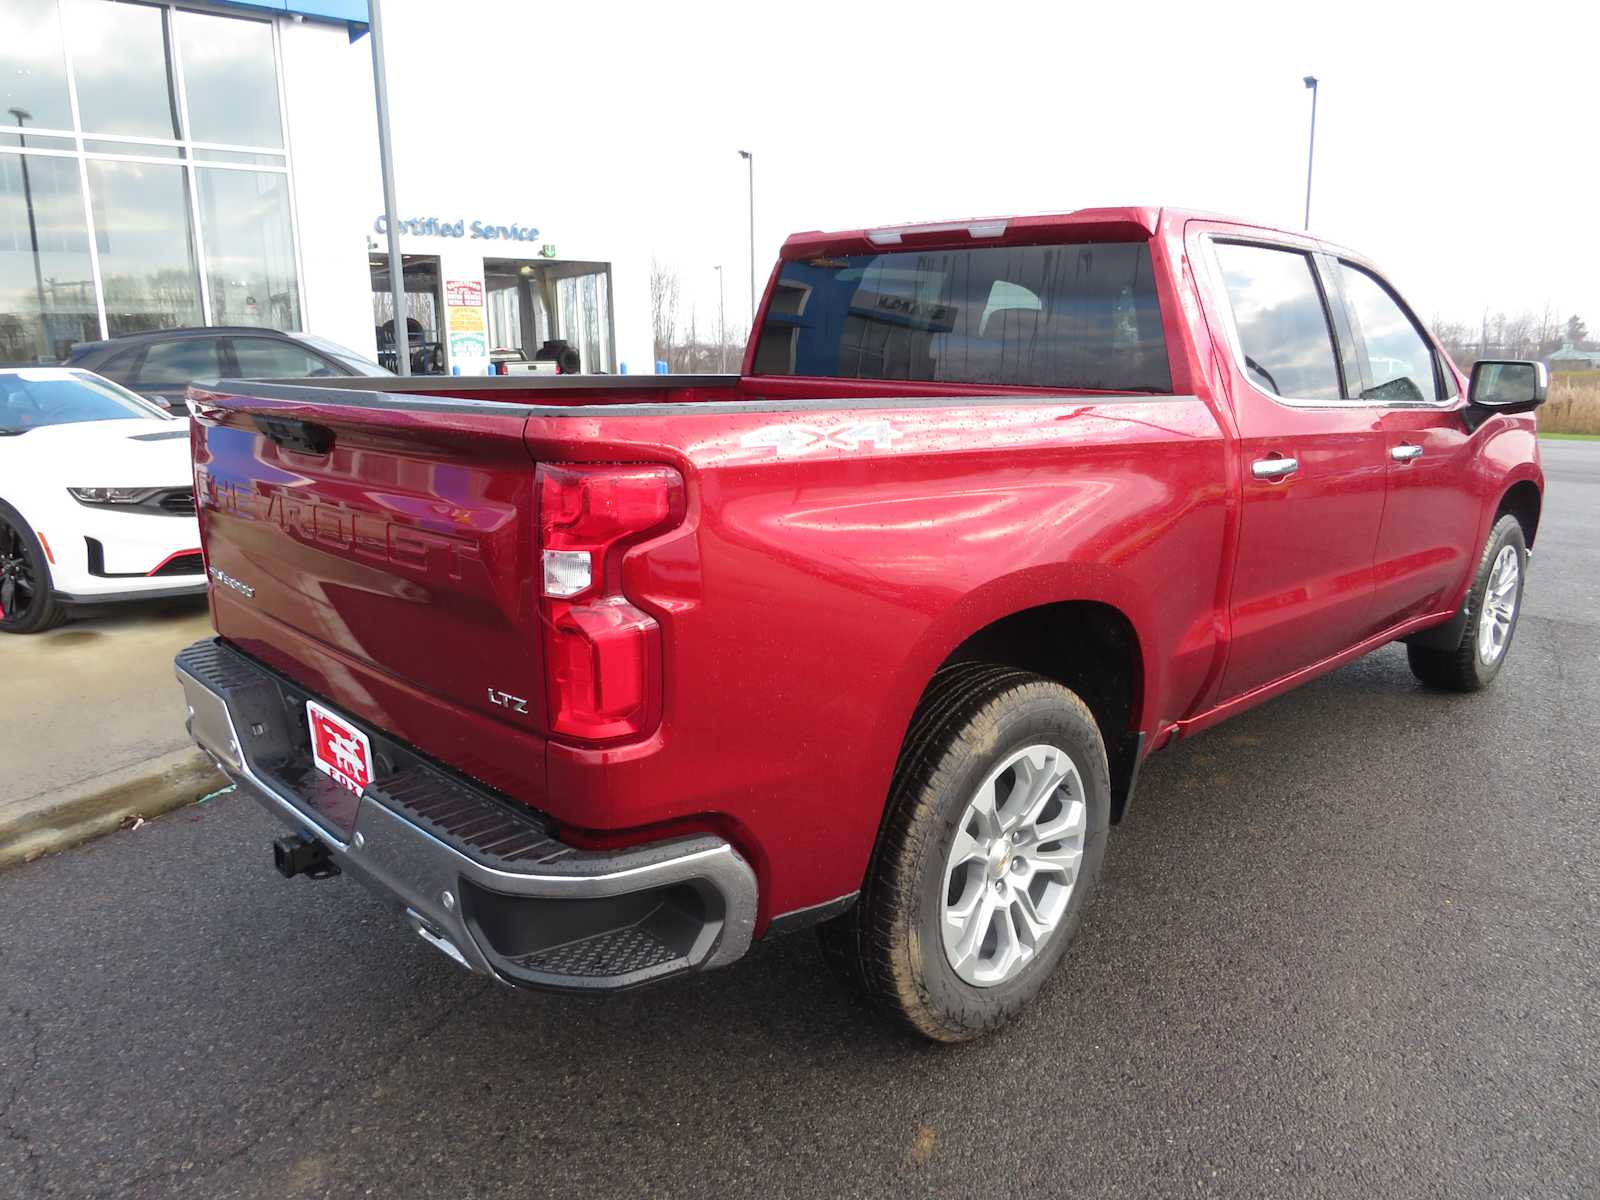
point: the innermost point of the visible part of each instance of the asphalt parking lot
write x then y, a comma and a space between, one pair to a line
1348, 944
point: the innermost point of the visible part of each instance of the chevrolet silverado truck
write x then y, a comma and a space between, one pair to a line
596, 680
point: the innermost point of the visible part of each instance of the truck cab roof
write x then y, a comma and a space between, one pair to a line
1124, 223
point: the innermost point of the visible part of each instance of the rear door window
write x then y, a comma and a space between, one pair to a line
268, 358
1036, 316
1281, 319
1399, 360
177, 363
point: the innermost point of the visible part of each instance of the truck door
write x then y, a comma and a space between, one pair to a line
1428, 539
1314, 458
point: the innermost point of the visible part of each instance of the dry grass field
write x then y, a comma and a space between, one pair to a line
1574, 405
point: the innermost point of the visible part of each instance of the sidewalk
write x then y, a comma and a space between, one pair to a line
94, 730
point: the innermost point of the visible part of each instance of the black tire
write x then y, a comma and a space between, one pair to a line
973, 716
23, 558
1463, 668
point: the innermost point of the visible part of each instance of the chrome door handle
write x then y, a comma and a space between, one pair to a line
1274, 468
1405, 452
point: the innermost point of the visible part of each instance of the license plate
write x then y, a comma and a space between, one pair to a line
339, 749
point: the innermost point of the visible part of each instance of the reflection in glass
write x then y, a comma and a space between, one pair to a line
37, 141
1283, 329
1033, 316
584, 304
33, 72
142, 231
66, 399
250, 270
138, 149
119, 58
236, 156
1399, 361
46, 287
230, 80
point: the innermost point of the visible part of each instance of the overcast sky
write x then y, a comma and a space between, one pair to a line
1459, 147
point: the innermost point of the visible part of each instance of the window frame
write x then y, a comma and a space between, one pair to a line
1350, 349
1333, 313
1440, 385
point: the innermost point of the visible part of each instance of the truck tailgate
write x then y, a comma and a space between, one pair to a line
380, 557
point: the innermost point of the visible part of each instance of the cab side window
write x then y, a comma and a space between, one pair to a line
265, 358
1399, 362
1281, 319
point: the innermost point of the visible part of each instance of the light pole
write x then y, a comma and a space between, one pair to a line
391, 220
22, 114
722, 325
1311, 153
750, 161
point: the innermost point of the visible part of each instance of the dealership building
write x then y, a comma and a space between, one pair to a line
185, 164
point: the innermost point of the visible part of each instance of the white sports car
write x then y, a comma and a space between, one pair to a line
96, 497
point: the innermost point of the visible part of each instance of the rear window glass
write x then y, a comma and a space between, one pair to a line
1034, 316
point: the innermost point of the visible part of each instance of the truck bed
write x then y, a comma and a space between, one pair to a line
837, 535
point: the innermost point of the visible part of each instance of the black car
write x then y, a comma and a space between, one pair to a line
160, 363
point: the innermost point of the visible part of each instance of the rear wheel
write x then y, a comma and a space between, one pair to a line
991, 845
27, 601
1493, 604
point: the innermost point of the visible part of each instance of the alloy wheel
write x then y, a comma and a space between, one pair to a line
1012, 867
1499, 606
16, 575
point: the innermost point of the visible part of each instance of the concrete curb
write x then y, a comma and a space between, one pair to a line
62, 819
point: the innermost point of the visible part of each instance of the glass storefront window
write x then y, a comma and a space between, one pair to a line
249, 248
39, 141
33, 71
115, 70
122, 68
230, 80
138, 149
233, 156
46, 285
146, 245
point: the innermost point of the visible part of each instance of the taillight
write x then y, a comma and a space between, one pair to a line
602, 653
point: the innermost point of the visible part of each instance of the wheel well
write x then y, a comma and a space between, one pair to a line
1522, 501
1089, 647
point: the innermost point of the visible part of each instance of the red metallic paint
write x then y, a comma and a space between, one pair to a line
807, 597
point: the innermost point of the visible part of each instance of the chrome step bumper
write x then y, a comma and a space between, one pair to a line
478, 877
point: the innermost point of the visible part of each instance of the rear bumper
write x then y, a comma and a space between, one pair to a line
477, 877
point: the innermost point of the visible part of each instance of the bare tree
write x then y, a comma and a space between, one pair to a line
1516, 334
1456, 337
689, 352
683, 349
664, 296
1547, 337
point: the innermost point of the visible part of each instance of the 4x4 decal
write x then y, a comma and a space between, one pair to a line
877, 433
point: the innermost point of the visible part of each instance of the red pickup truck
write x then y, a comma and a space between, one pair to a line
597, 680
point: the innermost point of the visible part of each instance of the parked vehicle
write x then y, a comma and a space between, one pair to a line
596, 682
161, 363
96, 498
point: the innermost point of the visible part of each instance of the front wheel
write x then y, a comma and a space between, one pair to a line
1493, 604
27, 601
992, 843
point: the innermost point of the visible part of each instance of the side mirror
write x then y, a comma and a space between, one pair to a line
1507, 386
